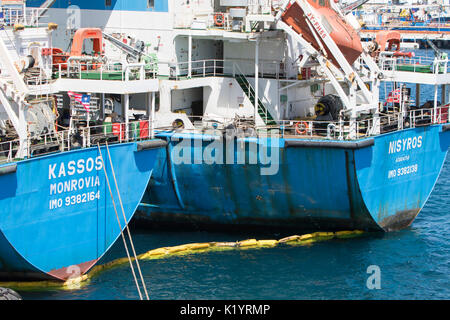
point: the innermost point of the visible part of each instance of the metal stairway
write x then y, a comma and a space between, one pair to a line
250, 93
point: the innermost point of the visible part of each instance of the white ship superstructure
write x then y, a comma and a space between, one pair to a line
208, 51
193, 64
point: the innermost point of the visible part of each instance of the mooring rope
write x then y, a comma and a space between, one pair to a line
185, 249
118, 221
126, 224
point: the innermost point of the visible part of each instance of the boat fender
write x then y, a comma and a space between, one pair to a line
151, 144
8, 169
178, 124
329, 144
9, 294
330, 105
446, 127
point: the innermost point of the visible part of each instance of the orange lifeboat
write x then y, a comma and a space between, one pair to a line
345, 37
387, 40
61, 58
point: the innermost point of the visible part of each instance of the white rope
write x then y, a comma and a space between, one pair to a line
126, 224
118, 221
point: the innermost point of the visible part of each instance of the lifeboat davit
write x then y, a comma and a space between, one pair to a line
345, 37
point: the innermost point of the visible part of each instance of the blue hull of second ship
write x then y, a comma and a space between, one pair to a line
56, 214
378, 183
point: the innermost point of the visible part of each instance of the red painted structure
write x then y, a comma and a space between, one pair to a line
60, 57
345, 37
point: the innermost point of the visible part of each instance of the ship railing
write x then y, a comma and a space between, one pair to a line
111, 132
8, 151
200, 68
226, 68
394, 121
109, 71
266, 68
349, 130
263, 6
418, 64
202, 20
36, 78
417, 27
314, 129
245, 127
303, 129
18, 16
78, 138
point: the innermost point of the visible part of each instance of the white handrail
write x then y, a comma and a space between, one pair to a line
76, 70
61, 140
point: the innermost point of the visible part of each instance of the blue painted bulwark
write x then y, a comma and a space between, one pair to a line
379, 183
124, 5
56, 214
328, 144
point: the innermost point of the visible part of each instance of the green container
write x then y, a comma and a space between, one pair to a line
107, 127
135, 130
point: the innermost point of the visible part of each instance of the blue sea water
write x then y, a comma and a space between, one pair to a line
414, 263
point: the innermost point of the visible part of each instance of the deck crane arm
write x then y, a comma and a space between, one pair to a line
134, 52
436, 50
325, 41
44, 7
338, 72
438, 54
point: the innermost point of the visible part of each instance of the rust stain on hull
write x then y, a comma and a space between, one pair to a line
400, 220
67, 272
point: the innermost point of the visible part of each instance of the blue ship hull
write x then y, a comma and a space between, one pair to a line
57, 217
380, 183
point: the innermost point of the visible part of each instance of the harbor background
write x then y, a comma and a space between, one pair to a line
414, 263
